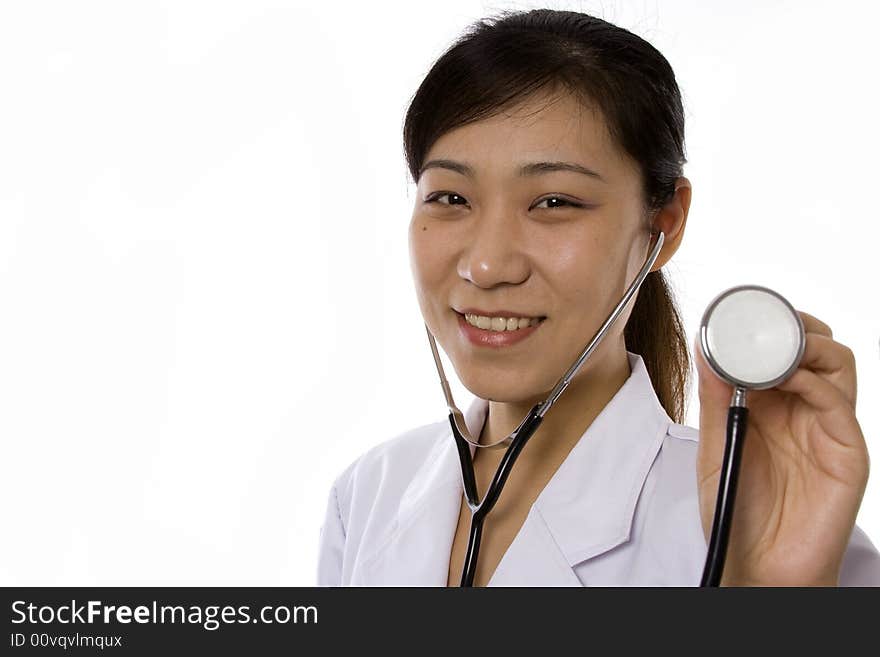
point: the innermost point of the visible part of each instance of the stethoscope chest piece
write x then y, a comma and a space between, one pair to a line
752, 337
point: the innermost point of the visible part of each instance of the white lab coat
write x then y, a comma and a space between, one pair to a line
621, 510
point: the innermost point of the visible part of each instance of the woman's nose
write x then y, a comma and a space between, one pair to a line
494, 250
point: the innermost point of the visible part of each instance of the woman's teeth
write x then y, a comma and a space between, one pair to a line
500, 323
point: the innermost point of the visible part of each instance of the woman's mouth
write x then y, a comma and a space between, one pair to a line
483, 331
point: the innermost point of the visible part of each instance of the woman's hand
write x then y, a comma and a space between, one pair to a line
803, 473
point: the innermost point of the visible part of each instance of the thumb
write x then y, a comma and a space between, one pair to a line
715, 395
713, 390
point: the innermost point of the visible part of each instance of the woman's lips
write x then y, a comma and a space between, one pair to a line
483, 338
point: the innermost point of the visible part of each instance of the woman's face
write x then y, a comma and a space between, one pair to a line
493, 240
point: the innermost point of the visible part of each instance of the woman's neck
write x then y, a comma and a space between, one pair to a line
571, 415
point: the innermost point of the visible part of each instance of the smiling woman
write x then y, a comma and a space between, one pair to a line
548, 148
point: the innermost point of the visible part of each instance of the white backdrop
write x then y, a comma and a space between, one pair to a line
206, 306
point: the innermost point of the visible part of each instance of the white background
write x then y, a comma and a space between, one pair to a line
206, 306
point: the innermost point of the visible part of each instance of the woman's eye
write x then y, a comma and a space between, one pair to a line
562, 202
433, 199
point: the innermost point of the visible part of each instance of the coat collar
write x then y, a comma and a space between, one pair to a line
585, 509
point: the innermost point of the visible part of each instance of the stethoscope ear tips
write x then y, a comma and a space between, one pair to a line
752, 337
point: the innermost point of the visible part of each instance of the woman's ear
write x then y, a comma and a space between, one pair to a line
671, 219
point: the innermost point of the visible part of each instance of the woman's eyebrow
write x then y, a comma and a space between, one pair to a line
529, 169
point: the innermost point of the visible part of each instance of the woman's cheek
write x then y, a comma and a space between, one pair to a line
426, 263
417, 247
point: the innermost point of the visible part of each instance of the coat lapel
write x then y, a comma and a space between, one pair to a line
586, 509
418, 551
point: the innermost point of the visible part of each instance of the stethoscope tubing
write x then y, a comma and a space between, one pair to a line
737, 423
480, 509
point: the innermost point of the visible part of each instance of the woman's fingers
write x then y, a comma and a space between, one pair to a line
814, 324
831, 360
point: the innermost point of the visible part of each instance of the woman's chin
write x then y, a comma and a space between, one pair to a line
510, 393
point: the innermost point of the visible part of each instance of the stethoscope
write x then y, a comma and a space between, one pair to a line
751, 337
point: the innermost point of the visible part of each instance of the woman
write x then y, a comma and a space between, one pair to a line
517, 260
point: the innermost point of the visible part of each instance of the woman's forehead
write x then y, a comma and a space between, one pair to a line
562, 130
